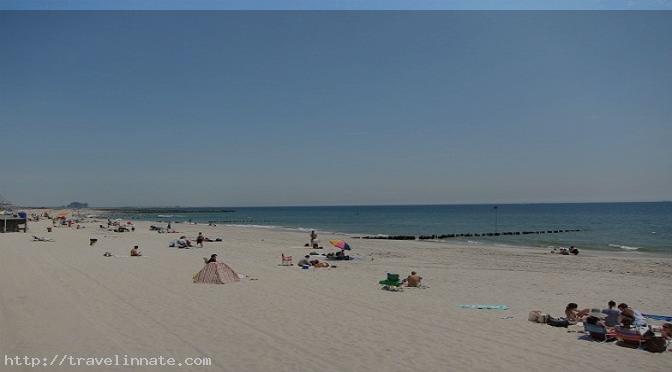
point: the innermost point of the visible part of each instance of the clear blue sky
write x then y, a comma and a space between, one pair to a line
339, 4
282, 108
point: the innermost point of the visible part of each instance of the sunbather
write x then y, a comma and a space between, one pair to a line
135, 252
318, 264
573, 314
412, 280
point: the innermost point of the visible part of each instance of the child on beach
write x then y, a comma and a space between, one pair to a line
199, 239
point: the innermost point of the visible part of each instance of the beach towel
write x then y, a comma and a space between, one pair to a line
40, 239
663, 318
484, 307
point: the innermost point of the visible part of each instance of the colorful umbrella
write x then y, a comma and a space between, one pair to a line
341, 244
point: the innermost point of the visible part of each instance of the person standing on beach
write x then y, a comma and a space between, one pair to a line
313, 239
199, 239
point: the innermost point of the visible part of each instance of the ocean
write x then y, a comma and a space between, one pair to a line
625, 227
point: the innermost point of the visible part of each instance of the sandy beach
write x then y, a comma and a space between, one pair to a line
65, 298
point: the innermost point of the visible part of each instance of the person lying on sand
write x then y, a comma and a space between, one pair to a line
135, 252
412, 280
318, 264
573, 314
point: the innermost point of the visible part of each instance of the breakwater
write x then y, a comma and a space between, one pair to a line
463, 235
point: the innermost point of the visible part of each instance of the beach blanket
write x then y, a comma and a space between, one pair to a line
484, 307
663, 318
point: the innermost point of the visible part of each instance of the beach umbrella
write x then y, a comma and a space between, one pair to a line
340, 244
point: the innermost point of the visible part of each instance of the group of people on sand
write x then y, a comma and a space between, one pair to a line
611, 316
621, 318
566, 251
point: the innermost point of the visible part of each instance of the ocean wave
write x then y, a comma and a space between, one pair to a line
625, 247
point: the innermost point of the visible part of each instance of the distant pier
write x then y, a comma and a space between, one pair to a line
463, 235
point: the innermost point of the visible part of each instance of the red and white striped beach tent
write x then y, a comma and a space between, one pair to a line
216, 273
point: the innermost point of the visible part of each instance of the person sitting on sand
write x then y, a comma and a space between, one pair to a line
596, 317
199, 239
305, 261
573, 250
612, 314
135, 252
412, 280
666, 331
213, 258
637, 317
573, 314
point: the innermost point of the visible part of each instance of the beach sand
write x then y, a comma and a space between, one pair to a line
65, 298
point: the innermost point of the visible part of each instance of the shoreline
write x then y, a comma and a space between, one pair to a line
618, 252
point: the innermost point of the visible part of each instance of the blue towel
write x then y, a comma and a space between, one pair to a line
658, 317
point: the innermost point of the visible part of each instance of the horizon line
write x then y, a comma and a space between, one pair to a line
348, 205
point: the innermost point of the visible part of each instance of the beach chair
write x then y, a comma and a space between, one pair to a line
392, 283
629, 336
599, 332
286, 260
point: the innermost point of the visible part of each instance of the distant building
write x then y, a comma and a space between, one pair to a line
77, 205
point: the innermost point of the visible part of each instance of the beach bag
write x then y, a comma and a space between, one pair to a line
558, 322
534, 316
654, 344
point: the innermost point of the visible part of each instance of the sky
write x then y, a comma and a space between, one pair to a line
339, 4
334, 108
